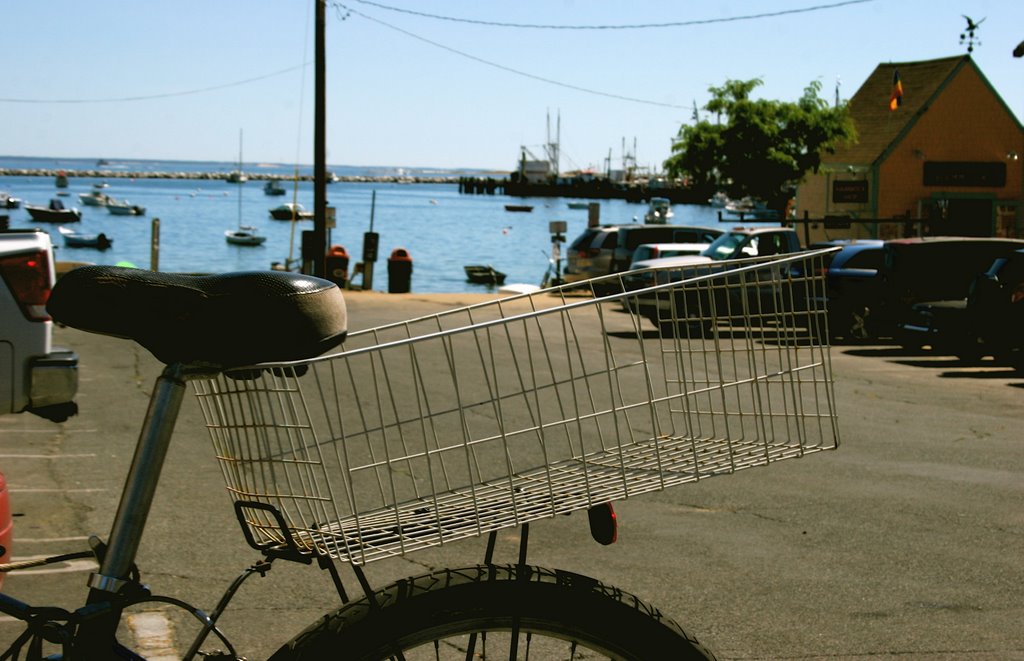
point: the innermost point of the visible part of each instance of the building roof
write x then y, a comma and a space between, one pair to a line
877, 126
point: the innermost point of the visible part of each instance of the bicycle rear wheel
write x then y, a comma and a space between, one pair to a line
488, 610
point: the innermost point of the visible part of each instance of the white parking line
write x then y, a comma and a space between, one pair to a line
47, 456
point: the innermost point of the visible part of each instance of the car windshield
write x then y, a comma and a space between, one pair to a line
725, 246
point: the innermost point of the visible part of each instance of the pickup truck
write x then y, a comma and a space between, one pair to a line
738, 243
35, 376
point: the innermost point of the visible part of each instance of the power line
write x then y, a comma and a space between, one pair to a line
517, 72
165, 95
637, 26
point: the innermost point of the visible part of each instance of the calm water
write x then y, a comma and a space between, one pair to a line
441, 229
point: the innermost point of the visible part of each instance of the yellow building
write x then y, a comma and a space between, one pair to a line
937, 148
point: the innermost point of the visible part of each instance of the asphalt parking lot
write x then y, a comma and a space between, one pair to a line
905, 543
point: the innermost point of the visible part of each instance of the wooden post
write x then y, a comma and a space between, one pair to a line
154, 245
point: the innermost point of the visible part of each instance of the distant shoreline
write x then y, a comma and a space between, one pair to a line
204, 176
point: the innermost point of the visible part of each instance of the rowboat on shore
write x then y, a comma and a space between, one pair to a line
484, 274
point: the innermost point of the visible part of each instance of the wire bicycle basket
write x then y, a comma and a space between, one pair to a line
489, 416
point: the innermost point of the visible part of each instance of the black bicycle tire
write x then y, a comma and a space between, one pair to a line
450, 602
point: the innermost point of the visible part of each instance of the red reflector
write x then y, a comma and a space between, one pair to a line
28, 278
604, 527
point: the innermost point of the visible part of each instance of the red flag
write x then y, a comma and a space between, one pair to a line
896, 98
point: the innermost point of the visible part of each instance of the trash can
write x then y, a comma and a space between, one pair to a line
336, 265
399, 271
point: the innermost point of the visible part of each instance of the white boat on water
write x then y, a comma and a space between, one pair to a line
245, 235
125, 208
719, 200
290, 211
659, 212
751, 208
94, 198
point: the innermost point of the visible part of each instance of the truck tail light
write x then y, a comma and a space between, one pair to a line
28, 278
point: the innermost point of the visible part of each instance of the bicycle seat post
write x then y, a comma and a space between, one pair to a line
136, 499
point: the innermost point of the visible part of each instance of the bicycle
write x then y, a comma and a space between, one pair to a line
445, 427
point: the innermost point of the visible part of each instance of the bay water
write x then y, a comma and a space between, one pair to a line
441, 229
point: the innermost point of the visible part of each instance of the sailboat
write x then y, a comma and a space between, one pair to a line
245, 235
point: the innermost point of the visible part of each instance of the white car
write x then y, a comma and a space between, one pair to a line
649, 251
34, 376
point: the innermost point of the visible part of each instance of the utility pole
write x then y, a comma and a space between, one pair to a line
318, 245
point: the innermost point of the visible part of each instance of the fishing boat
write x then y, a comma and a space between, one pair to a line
75, 239
274, 187
484, 274
56, 212
124, 208
290, 211
519, 207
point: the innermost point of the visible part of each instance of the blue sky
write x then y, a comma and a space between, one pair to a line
123, 79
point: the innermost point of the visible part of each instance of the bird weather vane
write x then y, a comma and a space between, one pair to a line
967, 37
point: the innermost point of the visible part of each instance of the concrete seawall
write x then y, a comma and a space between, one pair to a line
256, 176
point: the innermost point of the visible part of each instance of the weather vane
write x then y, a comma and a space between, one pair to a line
968, 36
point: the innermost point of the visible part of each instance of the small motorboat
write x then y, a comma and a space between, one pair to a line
579, 205
125, 208
484, 274
56, 212
245, 235
525, 208
75, 239
61, 180
751, 208
274, 187
8, 202
290, 211
95, 198
659, 212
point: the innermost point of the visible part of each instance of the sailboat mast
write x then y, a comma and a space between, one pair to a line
240, 175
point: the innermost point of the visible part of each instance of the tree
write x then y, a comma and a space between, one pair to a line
762, 148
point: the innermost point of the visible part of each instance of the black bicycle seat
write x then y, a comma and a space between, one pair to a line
224, 320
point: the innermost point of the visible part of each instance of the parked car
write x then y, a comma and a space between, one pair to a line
34, 376
929, 269
590, 254
989, 321
649, 251
632, 236
851, 282
738, 244
607, 249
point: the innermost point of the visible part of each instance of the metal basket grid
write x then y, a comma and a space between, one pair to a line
490, 416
